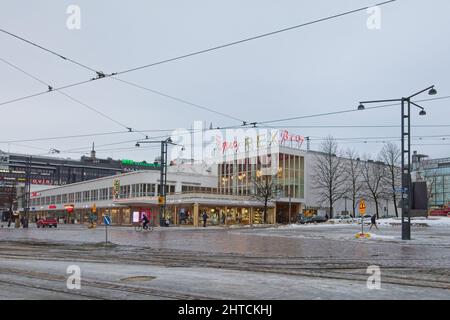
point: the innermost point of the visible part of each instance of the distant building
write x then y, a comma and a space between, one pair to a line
45, 172
436, 172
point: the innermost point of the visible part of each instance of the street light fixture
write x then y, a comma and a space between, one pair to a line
406, 152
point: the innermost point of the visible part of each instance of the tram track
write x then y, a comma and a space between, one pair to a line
56, 281
399, 273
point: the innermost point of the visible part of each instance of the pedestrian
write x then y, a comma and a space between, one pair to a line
373, 222
223, 217
205, 217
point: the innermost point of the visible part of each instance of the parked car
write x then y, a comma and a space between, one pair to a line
342, 219
312, 219
302, 219
318, 219
47, 222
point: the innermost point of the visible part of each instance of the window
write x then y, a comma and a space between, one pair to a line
64, 198
125, 191
71, 197
104, 194
94, 195
78, 197
86, 196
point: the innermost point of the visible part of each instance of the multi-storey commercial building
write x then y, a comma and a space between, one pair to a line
126, 197
227, 191
436, 172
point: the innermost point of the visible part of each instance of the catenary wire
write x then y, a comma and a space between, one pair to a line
103, 76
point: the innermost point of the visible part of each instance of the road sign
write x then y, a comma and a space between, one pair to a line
362, 207
107, 220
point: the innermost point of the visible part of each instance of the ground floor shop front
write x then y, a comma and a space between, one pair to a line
181, 215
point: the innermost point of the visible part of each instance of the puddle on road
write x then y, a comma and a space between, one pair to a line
138, 279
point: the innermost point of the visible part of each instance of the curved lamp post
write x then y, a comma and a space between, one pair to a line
406, 152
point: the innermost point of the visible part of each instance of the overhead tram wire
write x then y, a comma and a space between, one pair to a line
50, 88
351, 126
178, 99
191, 131
339, 112
49, 51
79, 136
268, 34
100, 74
171, 130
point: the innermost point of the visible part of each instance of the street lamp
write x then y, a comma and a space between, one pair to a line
163, 173
406, 152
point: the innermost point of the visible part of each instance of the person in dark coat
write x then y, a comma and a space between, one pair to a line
373, 222
145, 221
205, 217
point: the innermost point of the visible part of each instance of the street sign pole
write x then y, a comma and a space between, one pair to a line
362, 212
362, 225
107, 222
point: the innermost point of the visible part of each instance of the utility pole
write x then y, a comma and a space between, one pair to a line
406, 198
163, 182
27, 191
162, 190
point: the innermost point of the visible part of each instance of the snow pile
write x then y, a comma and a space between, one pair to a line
424, 222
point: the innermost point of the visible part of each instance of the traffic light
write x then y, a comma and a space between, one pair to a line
161, 200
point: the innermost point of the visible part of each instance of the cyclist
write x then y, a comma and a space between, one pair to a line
145, 220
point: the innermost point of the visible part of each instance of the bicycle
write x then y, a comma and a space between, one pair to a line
140, 227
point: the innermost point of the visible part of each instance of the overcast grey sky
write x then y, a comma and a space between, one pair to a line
321, 68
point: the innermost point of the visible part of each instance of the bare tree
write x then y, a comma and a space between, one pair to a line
265, 190
430, 178
329, 179
8, 196
374, 174
354, 177
390, 154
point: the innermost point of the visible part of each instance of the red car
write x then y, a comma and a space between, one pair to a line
47, 222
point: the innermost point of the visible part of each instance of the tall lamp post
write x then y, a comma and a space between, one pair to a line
405, 152
162, 192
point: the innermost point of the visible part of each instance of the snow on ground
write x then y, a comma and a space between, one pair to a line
426, 222
391, 222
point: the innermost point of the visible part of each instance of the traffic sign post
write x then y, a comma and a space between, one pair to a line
107, 222
362, 212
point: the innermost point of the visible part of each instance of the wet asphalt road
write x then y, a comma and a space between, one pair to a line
431, 246
315, 257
